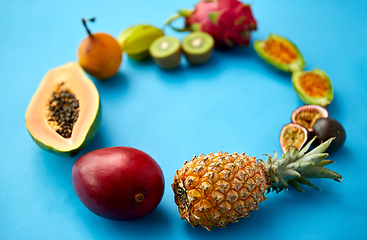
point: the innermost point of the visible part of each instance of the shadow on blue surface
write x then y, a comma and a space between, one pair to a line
141, 228
111, 86
335, 105
98, 142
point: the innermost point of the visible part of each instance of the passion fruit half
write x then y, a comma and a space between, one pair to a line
308, 114
292, 135
313, 87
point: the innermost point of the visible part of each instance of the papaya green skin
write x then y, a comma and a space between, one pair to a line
321, 101
298, 64
73, 152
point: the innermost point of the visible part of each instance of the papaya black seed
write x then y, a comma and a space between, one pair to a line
63, 107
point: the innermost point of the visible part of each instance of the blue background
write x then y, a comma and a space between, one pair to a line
235, 102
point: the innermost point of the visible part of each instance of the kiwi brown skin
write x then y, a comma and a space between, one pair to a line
325, 128
199, 58
168, 62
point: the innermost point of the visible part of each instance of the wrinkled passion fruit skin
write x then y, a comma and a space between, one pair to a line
292, 134
325, 128
307, 115
118, 183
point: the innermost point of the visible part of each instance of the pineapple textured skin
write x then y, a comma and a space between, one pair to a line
216, 189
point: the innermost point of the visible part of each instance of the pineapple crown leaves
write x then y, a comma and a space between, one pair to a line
295, 166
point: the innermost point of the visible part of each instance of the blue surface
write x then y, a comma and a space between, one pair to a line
235, 102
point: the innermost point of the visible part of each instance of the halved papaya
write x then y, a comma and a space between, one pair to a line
313, 87
280, 53
64, 113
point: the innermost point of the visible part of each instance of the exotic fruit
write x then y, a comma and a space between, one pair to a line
280, 53
64, 113
216, 189
229, 22
136, 40
292, 135
99, 54
166, 52
197, 47
325, 128
313, 87
118, 183
307, 115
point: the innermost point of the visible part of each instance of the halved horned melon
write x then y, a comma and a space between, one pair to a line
64, 113
280, 53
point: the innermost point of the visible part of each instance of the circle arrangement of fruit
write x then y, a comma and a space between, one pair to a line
211, 190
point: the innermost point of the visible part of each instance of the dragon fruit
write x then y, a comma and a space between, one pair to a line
229, 22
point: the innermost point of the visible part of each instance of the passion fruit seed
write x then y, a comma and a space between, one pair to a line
314, 84
293, 137
63, 111
280, 51
308, 117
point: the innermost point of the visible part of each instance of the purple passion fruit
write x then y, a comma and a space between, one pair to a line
280, 53
118, 183
325, 128
307, 115
313, 87
294, 135
99, 54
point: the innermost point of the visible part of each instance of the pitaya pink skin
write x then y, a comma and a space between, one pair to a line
229, 22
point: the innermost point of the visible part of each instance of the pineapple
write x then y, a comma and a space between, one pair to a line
216, 189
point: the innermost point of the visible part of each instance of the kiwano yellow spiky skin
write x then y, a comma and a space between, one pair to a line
216, 189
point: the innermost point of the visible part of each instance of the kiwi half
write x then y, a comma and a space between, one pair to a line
166, 52
198, 47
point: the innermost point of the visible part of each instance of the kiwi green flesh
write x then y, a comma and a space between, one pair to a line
198, 47
164, 47
166, 52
